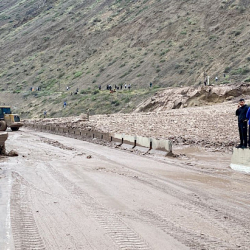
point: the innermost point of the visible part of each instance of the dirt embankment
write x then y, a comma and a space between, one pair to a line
174, 98
210, 126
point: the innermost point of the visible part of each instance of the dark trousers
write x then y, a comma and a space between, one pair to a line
249, 136
243, 133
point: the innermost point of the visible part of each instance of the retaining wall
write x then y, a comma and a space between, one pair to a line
150, 143
240, 160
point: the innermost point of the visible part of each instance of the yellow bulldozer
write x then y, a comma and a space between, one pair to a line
7, 119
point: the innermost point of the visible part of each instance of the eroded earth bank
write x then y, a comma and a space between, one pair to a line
63, 193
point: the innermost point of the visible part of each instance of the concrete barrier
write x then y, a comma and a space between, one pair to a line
164, 145
240, 160
120, 139
106, 136
147, 142
3, 138
61, 130
77, 132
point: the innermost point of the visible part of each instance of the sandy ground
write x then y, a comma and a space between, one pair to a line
62, 193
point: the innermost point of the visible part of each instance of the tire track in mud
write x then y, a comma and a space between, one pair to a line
217, 212
231, 220
24, 228
223, 217
54, 238
190, 239
33, 191
183, 233
121, 234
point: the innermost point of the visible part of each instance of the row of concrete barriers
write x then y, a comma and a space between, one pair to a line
119, 139
240, 159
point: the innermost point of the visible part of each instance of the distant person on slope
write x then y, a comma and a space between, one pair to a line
248, 118
242, 123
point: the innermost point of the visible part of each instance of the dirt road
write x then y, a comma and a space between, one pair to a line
61, 193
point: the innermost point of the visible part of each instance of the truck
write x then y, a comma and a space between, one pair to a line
7, 119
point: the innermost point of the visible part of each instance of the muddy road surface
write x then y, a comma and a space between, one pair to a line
61, 193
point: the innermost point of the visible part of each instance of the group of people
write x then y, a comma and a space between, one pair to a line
109, 87
71, 93
35, 89
243, 113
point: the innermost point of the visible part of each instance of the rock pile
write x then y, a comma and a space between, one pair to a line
210, 126
175, 98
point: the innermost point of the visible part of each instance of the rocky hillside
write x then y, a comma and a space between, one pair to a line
175, 98
84, 44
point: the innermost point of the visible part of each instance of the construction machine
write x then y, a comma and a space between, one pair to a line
7, 119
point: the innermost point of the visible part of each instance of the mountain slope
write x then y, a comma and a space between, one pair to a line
84, 44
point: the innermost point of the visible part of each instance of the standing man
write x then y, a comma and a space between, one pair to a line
248, 118
242, 123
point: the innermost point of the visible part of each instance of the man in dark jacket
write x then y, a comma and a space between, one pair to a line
248, 118
242, 123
